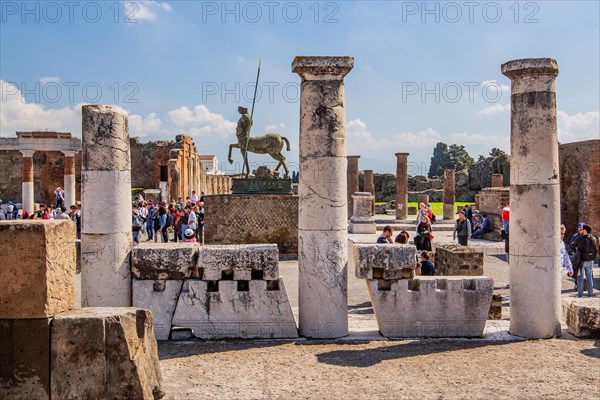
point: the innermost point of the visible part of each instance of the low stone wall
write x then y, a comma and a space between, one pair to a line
491, 201
454, 259
213, 291
248, 219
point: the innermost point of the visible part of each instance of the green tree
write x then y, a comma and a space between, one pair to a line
481, 158
459, 157
496, 152
440, 160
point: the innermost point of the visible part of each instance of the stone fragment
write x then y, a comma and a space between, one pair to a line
25, 359
230, 309
362, 220
37, 268
582, 316
104, 353
496, 307
432, 307
454, 259
384, 261
160, 297
164, 261
213, 260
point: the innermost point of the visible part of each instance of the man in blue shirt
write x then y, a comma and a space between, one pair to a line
386, 236
486, 227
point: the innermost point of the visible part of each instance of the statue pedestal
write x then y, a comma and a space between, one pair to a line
262, 186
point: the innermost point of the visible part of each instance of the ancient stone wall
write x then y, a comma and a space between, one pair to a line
490, 201
247, 219
580, 185
480, 173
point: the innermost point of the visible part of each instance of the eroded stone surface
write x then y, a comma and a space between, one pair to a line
105, 138
432, 307
449, 193
25, 359
454, 259
582, 316
104, 353
37, 268
160, 297
240, 259
383, 261
164, 261
230, 309
401, 186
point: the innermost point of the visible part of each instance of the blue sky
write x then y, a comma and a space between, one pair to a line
424, 72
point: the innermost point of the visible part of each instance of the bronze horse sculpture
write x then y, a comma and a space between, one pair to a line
271, 144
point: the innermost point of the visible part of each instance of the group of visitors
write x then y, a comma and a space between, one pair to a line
9, 211
475, 224
578, 257
178, 221
45, 212
425, 265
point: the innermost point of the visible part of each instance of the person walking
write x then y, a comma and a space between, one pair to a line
462, 230
586, 246
565, 260
505, 217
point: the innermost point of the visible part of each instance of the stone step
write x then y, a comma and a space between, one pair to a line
410, 221
411, 227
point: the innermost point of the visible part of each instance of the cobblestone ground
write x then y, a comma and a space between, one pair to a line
364, 366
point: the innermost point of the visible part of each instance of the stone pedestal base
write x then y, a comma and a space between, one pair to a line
362, 227
431, 307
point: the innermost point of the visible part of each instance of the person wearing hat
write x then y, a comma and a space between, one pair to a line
189, 236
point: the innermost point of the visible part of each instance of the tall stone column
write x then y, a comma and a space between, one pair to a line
497, 180
69, 179
402, 186
323, 211
352, 181
535, 307
27, 180
370, 186
422, 198
449, 193
106, 208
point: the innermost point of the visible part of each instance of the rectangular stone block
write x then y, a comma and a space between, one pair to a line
431, 307
453, 259
164, 261
230, 309
25, 359
582, 316
37, 268
160, 297
241, 260
104, 353
384, 261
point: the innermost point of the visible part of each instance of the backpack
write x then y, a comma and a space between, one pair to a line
169, 222
589, 254
138, 222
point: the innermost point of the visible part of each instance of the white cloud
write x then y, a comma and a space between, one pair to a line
274, 128
493, 84
143, 10
145, 126
202, 122
49, 79
466, 138
495, 109
578, 127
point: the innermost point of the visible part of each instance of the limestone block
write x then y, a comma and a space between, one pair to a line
164, 261
363, 204
105, 139
365, 227
454, 259
25, 359
104, 353
384, 261
230, 309
102, 213
241, 259
431, 307
323, 274
582, 316
37, 268
106, 269
160, 297
412, 210
322, 193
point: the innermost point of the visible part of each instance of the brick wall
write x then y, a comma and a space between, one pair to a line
249, 219
491, 201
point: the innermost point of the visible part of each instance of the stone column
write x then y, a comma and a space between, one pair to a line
352, 181
323, 211
27, 179
449, 193
535, 307
402, 186
422, 198
69, 179
106, 208
497, 180
370, 186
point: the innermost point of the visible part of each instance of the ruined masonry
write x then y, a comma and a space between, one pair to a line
362, 220
424, 306
454, 259
213, 291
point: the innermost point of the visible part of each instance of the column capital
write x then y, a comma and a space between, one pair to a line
352, 157
69, 153
402, 154
530, 66
27, 153
322, 67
